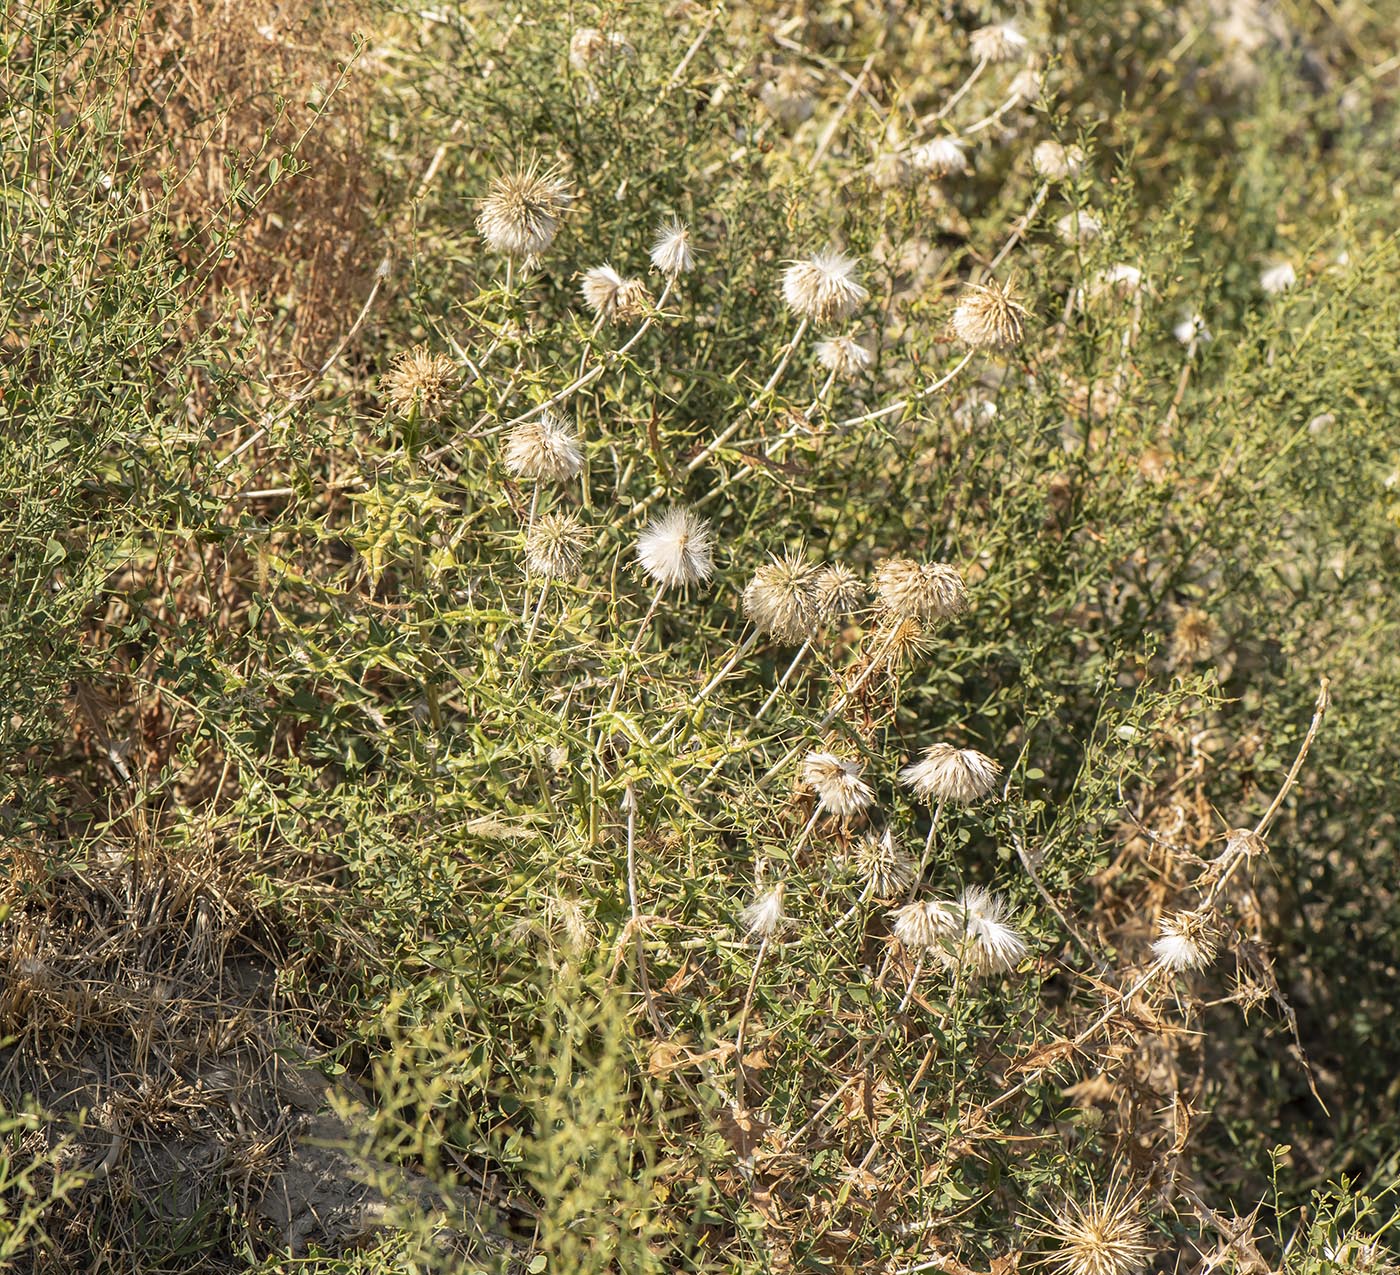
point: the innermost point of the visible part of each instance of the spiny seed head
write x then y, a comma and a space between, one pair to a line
928, 925
611, 297
837, 592
823, 287
554, 546
843, 355
879, 861
989, 317
837, 782
1187, 942
778, 598
941, 157
1053, 162
762, 918
419, 378
998, 43
1079, 227
521, 212
545, 449
988, 945
920, 590
671, 250
1105, 1236
945, 773
676, 550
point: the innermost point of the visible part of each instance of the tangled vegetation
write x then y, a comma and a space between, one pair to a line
700, 637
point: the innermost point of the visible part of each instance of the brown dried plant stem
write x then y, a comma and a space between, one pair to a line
928, 849
1229, 863
740, 1079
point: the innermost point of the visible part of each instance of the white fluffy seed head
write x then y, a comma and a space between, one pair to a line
778, 598
1278, 278
998, 43
941, 157
843, 355
1186, 943
762, 918
929, 925
522, 210
611, 297
671, 251
988, 944
1079, 227
676, 550
545, 449
1121, 282
823, 288
838, 784
945, 773
920, 590
1053, 162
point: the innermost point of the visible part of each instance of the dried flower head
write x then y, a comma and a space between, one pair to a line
611, 297
1192, 328
823, 288
941, 157
675, 549
878, 860
1053, 162
762, 918
836, 781
589, 47
545, 449
1121, 282
1078, 227
843, 355
920, 590
1026, 86
1278, 278
554, 546
837, 592
778, 598
988, 945
998, 43
671, 250
891, 170
521, 212
788, 97
1187, 941
945, 773
417, 378
1195, 636
931, 924
989, 317
1106, 1236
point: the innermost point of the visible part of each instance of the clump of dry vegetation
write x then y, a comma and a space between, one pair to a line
690, 637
